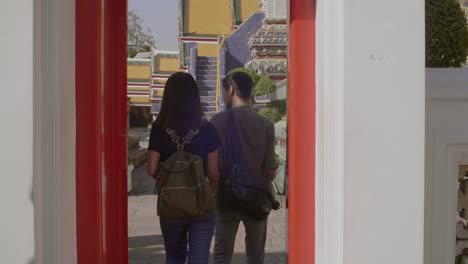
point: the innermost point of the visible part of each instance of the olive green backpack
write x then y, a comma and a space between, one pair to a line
183, 187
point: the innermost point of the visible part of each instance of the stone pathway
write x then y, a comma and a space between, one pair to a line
146, 245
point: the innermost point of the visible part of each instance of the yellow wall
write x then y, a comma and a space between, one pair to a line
248, 7
168, 64
159, 81
210, 50
139, 72
157, 92
138, 88
209, 17
140, 100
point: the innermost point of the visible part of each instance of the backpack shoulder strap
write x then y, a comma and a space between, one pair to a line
173, 134
191, 135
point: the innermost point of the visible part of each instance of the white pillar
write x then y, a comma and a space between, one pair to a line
16, 135
54, 131
371, 111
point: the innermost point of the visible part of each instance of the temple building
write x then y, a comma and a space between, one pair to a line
165, 63
196, 27
212, 45
269, 45
138, 90
146, 76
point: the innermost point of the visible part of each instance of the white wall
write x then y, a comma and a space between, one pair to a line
447, 147
384, 132
37, 138
16, 135
371, 111
54, 134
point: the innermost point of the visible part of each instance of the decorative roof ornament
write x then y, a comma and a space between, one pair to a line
268, 47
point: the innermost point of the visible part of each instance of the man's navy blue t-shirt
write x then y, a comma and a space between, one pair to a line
206, 141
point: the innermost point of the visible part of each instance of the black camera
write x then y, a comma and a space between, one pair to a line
276, 205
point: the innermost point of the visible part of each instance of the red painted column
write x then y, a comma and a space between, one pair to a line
301, 132
115, 131
88, 132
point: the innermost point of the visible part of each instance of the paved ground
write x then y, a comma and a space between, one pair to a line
142, 133
146, 243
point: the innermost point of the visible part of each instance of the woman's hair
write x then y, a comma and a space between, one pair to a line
181, 107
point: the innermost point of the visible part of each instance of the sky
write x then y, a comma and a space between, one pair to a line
161, 17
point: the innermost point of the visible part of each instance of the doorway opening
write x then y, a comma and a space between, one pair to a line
165, 38
102, 119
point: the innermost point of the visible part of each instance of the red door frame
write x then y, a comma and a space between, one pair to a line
115, 131
101, 134
101, 120
89, 205
301, 132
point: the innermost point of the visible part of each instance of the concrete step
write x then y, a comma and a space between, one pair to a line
208, 98
206, 72
206, 63
210, 114
212, 103
206, 83
209, 108
206, 67
207, 93
205, 58
207, 90
207, 77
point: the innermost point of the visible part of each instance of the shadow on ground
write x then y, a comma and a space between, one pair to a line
153, 256
149, 249
146, 249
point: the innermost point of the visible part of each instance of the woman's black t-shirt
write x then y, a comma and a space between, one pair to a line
206, 141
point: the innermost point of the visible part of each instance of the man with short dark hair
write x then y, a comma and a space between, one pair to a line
256, 147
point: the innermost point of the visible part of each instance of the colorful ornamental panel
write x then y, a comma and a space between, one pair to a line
268, 49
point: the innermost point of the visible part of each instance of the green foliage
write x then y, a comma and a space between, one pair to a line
139, 40
272, 113
264, 86
446, 34
262, 83
280, 105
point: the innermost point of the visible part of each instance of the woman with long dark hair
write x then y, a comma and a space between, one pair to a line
181, 112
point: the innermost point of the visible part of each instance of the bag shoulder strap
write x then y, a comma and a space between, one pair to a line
173, 134
233, 140
186, 140
191, 135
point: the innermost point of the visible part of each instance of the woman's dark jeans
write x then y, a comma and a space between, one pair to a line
196, 234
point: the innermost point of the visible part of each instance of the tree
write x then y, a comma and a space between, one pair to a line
272, 113
139, 40
446, 34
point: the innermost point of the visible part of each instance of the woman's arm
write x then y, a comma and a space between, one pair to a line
213, 173
153, 160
